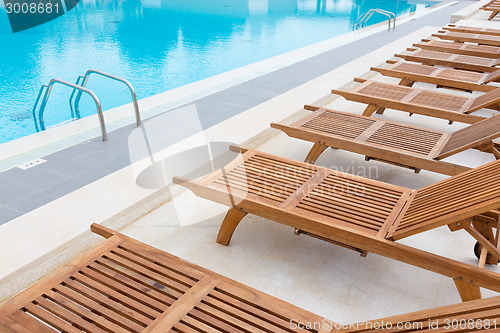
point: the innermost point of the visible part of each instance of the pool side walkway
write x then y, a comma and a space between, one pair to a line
22, 191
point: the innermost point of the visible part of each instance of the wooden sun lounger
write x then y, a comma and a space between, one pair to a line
458, 61
410, 72
476, 30
463, 37
474, 316
474, 50
123, 285
396, 143
494, 8
382, 95
360, 213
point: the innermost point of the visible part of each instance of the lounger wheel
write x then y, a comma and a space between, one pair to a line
477, 252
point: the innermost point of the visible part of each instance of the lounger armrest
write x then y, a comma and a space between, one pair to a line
238, 149
338, 92
181, 181
279, 126
102, 230
311, 107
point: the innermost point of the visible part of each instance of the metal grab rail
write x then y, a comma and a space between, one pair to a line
74, 86
117, 78
361, 20
36, 104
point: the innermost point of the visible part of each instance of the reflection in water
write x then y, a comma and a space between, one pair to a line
233, 8
157, 45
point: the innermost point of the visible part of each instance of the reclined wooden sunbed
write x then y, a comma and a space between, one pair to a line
396, 143
476, 30
381, 95
493, 7
123, 285
463, 37
459, 61
410, 72
474, 50
361, 213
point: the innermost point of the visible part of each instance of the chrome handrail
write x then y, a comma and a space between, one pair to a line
362, 19
82, 89
74, 113
389, 14
114, 77
36, 104
359, 19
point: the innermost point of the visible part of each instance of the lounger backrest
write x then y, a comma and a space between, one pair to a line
472, 136
490, 98
451, 200
493, 76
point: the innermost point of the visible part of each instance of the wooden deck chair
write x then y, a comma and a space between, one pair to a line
484, 51
463, 37
473, 316
494, 8
458, 61
382, 95
360, 213
476, 30
396, 143
123, 285
410, 72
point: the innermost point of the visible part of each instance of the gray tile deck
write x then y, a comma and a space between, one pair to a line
70, 169
7, 214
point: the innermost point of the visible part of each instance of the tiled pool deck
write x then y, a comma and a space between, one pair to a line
65, 171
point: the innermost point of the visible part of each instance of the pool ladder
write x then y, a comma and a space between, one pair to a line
361, 21
78, 90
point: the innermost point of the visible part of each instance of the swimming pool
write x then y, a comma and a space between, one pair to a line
157, 45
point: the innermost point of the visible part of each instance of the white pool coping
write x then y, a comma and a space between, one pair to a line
40, 144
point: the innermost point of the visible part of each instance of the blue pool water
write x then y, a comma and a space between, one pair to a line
157, 45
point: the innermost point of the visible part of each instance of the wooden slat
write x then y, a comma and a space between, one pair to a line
469, 37
20, 321
305, 189
57, 320
171, 316
101, 300
119, 293
406, 153
58, 276
425, 102
82, 317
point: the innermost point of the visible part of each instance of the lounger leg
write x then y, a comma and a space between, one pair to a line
231, 221
369, 110
491, 147
494, 150
380, 110
488, 233
467, 291
493, 14
406, 82
316, 150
